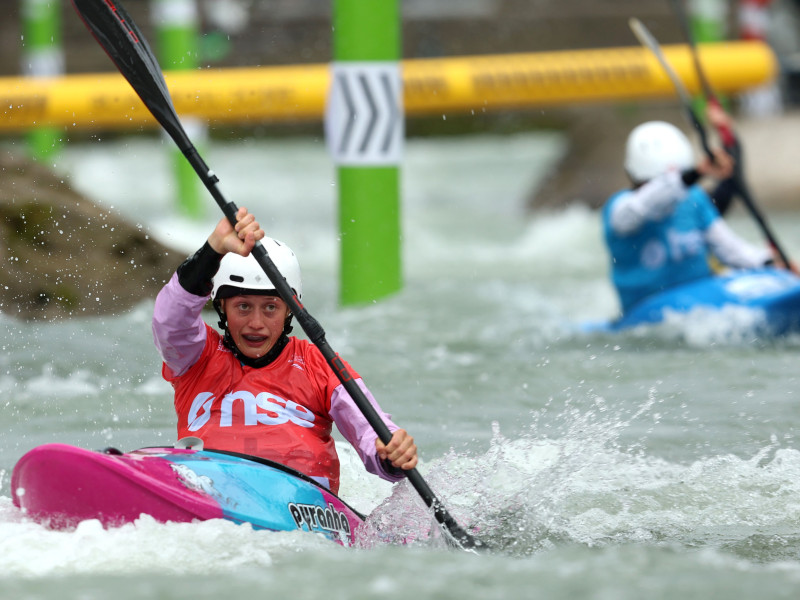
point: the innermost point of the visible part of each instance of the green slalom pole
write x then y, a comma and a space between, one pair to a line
365, 134
42, 56
708, 22
176, 23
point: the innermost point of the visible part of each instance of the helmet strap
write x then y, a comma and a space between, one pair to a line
287, 325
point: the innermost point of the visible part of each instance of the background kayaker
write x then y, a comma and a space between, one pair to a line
664, 230
254, 389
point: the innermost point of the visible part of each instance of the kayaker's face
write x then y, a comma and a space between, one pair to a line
255, 322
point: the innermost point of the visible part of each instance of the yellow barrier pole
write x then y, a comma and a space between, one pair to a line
431, 86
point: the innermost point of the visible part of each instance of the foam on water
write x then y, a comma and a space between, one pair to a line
290, 185
28, 549
533, 493
569, 480
617, 467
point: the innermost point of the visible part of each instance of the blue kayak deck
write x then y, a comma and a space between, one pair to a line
773, 295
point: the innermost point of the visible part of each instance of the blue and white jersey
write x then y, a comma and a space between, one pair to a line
660, 253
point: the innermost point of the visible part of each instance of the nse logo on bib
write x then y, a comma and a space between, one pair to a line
274, 410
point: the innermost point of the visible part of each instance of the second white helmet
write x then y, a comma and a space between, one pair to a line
242, 274
654, 148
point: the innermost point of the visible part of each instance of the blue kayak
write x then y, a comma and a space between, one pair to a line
771, 295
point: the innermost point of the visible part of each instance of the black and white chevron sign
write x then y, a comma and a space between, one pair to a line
364, 117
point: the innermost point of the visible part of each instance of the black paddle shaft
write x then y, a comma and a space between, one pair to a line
128, 49
727, 135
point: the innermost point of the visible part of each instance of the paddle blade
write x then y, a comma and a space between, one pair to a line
649, 41
128, 49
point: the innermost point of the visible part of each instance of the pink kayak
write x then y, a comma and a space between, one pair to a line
60, 485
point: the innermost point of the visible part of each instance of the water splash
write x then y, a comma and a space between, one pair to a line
582, 486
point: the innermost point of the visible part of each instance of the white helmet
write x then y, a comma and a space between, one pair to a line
242, 274
654, 148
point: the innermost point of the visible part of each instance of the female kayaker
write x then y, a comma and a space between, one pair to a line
254, 389
664, 229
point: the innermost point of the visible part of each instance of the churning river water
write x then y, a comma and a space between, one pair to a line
657, 465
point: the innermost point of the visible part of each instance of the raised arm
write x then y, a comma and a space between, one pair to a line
179, 332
